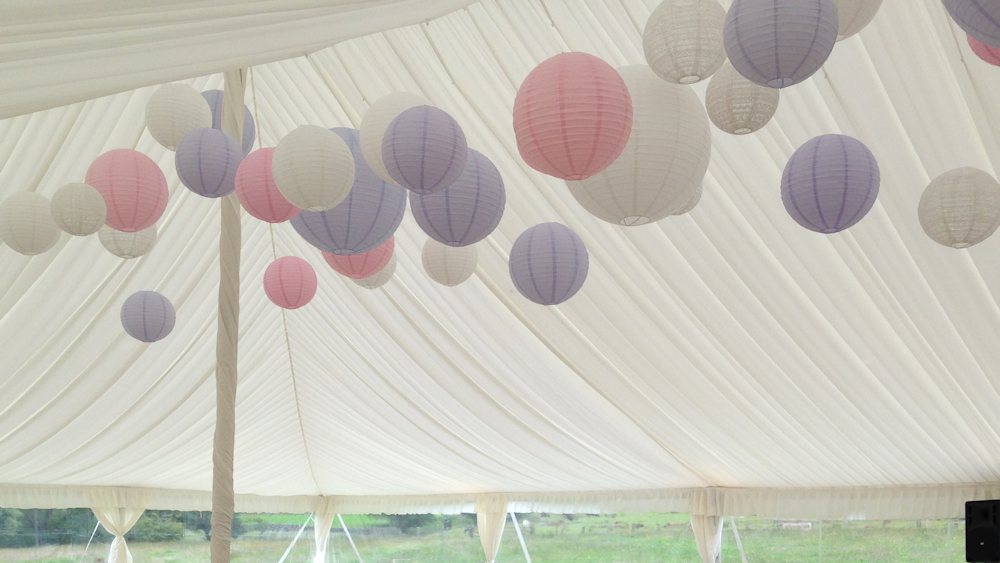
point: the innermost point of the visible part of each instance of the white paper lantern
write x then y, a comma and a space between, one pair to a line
683, 40
854, 15
377, 120
664, 161
26, 223
738, 106
313, 168
449, 265
79, 209
128, 245
692, 203
174, 110
379, 279
960, 208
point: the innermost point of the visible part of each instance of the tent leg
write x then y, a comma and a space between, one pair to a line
520, 537
349, 538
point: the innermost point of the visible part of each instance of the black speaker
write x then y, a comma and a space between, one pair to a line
982, 532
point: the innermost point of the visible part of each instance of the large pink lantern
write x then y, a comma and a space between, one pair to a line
572, 116
984, 51
357, 266
133, 187
258, 193
290, 282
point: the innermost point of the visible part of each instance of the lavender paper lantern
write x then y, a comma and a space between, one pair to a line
207, 160
548, 263
466, 211
424, 149
365, 219
830, 183
214, 99
777, 43
148, 316
978, 18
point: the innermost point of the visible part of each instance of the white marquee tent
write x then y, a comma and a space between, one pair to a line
725, 362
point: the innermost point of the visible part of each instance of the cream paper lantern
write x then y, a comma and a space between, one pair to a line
664, 161
692, 203
854, 15
377, 120
127, 245
26, 223
313, 168
380, 278
449, 265
960, 208
173, 111
79, 209
737, 105
683, 40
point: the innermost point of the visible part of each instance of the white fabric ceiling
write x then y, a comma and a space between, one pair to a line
726, 348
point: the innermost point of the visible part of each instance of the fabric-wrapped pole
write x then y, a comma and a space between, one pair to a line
708, 536
118, 521
323, 519
491, 515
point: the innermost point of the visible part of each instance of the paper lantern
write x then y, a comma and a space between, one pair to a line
466, 211
366, 219
377, 120
127, 245
978, 18
664, 161
682, 40
449, 265
215, 100
133, 187
830, 183
854, 15
548, 263
290, 282
738, 106
206, 162
984, 51
424, 149
78, 209
692, 203
960, 208
148, 316
257, 192
357, 266
26, 223
174, 110
778, 43
379, 279
572, 116
313, 168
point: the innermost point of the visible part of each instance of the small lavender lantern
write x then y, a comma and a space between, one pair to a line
148, 316
214, 99
424, 149
207, 160
548, 263
466, 211
978, 18
830, 183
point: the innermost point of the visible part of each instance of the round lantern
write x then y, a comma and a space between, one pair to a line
257, 191
978, 18
778, 43
854, 15
357, 266
692, 203
424, 149
377, 120
313, 168
127, 245
133, 188
174, 110
664, 161
738, 106
79, 209
449, 265
683, 40
214, 99
960, 208
830, 183
984, 51
548, 263
290, 282
572, 116
366, 219
206, 162
148, 316
379, 279
466, 211
26, 223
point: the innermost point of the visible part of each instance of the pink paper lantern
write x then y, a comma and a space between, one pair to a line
572, 116
357, 266
984, 51
258, 193
290, 282
133, 187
